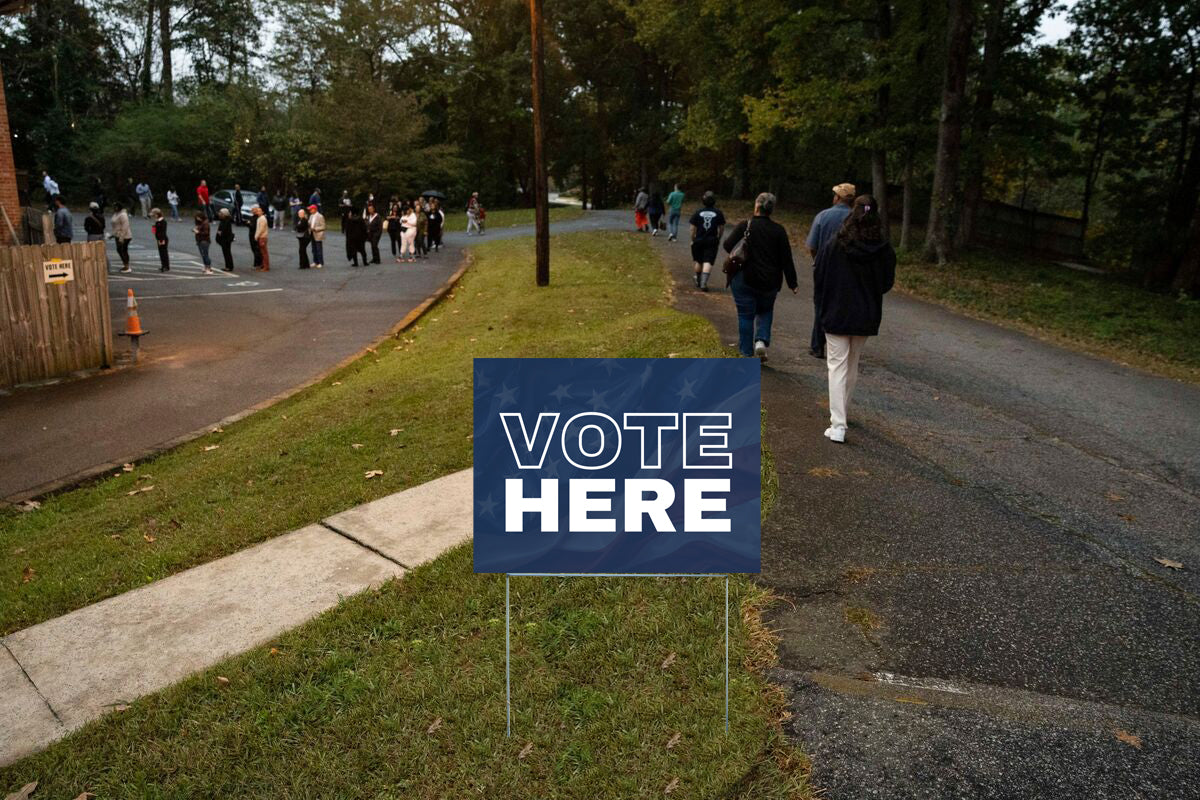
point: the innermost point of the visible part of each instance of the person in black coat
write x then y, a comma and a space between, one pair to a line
767, 262
354, 227
303, 236
225, 237
160, 238
237, 206
853, 271
374, 231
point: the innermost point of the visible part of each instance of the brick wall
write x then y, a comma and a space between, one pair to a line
8, 173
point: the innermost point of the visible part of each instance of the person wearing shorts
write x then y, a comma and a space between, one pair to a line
708, 223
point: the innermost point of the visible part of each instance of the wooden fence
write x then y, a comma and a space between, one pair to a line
49, 325
1035, 232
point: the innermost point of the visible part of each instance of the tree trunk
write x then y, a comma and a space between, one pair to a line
1096, 158
906, 213
1172, 251
1187, 276
166, 86
960, 22
583, 184
981, 125
879, 181
148, 49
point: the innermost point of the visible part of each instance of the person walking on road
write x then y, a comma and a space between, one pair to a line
853, 272
64, 227
261, 230
392, 223
422, 208
203, 232
674, 212
473, 210
173, 202
159, 227
225, 237
655, 210
825, 227
767, 262
203, 199
408, 245
122, 234
145, 197
303, 236
93, 223
640, 201
707, 225
316, 226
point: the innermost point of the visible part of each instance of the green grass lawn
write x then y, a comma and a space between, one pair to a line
294, 463
618, 692
456, 220
1095, 313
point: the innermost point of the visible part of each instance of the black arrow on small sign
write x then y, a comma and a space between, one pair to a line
58, 274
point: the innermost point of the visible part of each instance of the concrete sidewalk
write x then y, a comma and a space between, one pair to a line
60, 674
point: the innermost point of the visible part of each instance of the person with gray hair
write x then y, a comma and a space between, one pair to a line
766, 263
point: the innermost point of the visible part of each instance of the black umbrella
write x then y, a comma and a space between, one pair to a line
433, 193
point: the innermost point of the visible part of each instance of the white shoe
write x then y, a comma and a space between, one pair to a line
760, 349
655, 233
837, 434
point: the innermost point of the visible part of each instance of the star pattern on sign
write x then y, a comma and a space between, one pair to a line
562, 392
506, 395
686, 391
488, 506
597, 401
482, 381
550, 470
609, 365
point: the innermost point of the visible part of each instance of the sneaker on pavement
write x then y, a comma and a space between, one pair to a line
760, 349
836, 434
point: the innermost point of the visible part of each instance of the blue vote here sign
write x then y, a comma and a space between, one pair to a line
617, 465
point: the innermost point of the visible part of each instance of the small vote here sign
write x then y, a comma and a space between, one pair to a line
617, 465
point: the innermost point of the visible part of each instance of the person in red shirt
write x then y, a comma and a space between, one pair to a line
202, 197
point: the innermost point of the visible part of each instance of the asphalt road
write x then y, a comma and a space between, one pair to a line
216, 345
972, 606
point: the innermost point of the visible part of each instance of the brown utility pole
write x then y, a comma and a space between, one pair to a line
540, 184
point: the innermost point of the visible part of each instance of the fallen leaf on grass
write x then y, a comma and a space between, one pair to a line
1128, 738
337, 383
85, 796
18, 551
395, 431
824, 472
221, 679
149, 538
119, 707
371, 473
1169, 564
526, 750
211, 447
29, 505
139, 491
274, 651
27, 574
114, 536
23, 793
372, 350
671, 786
433, 726
127, 467
217, 430
674, 740
668, 661
356, 445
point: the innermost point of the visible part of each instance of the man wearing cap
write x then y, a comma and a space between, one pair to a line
316, 227
824, 228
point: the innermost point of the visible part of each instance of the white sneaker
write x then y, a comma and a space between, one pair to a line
655, 232
837, 434
760, 349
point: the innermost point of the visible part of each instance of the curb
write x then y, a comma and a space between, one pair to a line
75, 479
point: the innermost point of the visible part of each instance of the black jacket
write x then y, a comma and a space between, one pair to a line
93, 225
849, 284
769, 254
355, 229
224, 231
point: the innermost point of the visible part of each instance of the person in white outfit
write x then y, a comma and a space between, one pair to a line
473, 214
853, 271
408, 242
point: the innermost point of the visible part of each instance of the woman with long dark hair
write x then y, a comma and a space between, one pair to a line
853, 271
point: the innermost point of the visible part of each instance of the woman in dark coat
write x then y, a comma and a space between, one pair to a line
354, 227
853, 271
393, 224
434, 230
160, 237
225, 237
303, 236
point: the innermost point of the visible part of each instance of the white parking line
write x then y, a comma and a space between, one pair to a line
195, 294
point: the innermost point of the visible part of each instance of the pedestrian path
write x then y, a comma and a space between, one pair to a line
60, 674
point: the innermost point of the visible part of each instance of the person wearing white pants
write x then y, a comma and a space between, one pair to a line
852, 273
408, 241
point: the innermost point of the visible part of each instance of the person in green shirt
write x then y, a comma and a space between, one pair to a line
674, 209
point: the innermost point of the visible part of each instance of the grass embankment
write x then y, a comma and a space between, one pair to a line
511, 217
294, 463
1098, 314
617, 684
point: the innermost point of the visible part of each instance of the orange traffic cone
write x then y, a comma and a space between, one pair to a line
133, 325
